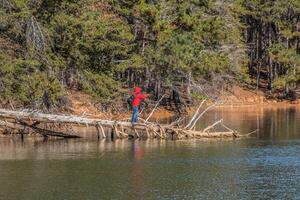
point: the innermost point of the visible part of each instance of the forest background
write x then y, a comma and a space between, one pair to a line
183, 49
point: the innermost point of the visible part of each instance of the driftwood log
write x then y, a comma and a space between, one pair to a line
26, 122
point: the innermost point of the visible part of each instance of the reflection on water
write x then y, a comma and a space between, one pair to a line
272, 122
266, 167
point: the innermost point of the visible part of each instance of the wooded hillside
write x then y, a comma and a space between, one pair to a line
103, 47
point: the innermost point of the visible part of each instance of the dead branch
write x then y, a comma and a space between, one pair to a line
200, 115
213, 125
176, 122
196, 113
154, 108
249, 134
35, 39
229, 129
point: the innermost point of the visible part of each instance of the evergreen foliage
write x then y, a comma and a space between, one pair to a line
48, 47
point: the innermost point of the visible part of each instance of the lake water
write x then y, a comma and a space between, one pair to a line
264, 167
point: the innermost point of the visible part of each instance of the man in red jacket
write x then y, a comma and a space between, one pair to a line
138, 97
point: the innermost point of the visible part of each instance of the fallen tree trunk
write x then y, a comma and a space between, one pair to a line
26, 128
47, 118
18, 120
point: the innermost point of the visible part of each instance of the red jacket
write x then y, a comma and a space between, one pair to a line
138, 96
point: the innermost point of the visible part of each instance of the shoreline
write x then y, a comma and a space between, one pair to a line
163, 113
160, 114
82, 105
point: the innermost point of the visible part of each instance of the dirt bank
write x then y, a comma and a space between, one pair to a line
242, 96
82, 104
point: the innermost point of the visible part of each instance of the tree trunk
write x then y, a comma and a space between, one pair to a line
188, 87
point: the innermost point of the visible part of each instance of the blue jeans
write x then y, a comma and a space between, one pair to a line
135, 114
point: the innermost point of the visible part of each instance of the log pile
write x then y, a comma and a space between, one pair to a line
25, 122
